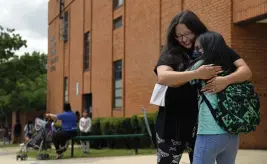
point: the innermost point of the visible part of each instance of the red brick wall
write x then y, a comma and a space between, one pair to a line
250, 42
86, 82
76, 53
53, 10
118, 11
118, 53
142, 48
216, 14
118, 113
118, 44
68, 2
55, 77
246, 9
87, 15
118, 36
138, 43
102, 58
87, 27
168, 9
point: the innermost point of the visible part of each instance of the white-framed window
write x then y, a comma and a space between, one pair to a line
66, 89
117, 84
117, 3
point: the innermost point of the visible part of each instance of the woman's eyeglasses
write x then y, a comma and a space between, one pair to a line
188, 35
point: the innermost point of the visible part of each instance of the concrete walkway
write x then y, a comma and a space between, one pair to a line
7, 156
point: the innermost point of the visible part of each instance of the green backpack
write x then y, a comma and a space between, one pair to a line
238, 108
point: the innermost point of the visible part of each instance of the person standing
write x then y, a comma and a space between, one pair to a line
176, 123
85, 129
17, 132
213, 142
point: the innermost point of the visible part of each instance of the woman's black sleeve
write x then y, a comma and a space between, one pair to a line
165, 59
233, 55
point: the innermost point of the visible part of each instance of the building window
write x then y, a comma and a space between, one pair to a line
66, 26
117, 23
87, 103
66, 89
61, 8
86, 51
117, 3
118, 84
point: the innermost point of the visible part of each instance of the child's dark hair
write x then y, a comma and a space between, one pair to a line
216, 51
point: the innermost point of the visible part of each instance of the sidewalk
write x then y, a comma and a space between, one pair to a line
7, 155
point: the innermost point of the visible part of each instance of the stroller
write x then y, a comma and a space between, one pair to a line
41, 141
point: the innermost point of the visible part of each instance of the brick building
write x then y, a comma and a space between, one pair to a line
102, 52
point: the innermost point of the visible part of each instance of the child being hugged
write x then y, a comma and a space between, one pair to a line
218, 126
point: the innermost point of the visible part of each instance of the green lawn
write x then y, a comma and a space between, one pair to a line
97, 153
8, 145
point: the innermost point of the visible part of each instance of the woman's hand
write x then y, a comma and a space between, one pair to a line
218, 84
215, 85
205, 72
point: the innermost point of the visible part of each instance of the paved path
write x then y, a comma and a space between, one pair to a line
7, 156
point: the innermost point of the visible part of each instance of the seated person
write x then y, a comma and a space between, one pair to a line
69, 129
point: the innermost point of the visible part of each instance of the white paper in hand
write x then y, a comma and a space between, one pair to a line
158, 95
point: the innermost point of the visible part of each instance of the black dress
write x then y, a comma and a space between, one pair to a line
176, 121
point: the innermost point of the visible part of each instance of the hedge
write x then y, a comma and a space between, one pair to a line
123, 125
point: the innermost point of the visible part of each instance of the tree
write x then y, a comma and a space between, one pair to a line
9, 43
24, 83
22, 79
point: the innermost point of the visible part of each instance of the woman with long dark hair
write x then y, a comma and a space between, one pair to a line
213, 143
176, 122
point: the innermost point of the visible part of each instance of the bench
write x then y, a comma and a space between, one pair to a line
114, 136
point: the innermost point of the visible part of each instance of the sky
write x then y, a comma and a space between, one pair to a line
29, 19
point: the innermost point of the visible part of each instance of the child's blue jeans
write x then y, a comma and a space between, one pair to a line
221, 148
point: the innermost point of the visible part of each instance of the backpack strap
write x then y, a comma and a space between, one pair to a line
205, 99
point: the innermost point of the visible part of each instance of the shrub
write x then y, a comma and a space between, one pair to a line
123, 125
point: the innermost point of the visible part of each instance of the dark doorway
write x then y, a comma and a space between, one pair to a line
87, 103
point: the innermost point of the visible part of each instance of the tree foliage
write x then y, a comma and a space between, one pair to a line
9, 43
22, 79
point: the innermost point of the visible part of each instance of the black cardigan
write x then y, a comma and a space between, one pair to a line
179, 116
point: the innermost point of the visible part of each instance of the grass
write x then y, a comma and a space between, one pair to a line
8, 145
97, 153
